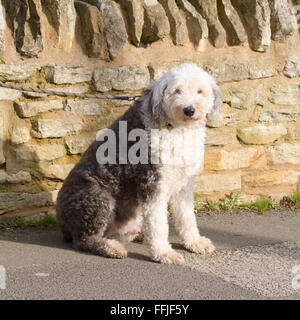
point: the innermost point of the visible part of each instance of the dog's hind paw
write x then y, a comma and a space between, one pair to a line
202, 245
114, 249
171, 257
139, 238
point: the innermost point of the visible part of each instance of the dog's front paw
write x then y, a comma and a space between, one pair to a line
170, 257
202, 245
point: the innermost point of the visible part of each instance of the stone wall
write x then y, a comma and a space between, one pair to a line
101, 46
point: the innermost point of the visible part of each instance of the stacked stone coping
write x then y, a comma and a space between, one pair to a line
107, 26
254, 147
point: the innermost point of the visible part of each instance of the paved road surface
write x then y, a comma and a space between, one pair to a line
254, 260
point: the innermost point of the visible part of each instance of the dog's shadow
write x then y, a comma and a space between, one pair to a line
52, 238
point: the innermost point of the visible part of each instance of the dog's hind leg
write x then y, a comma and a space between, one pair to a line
98, 245
87, 210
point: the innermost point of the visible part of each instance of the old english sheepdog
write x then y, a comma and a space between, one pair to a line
101, 201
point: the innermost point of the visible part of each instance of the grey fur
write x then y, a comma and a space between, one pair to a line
94, 196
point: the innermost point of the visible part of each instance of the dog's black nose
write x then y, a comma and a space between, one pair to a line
189, 111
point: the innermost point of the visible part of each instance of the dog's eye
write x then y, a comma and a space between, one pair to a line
177, 91
199, 91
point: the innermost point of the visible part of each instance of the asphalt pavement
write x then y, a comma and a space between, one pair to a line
257, 257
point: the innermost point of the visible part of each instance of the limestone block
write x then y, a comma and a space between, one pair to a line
256, 18
285, 153
67, 74
261, 134
62, 13
89, 107
178, 30
36, 152
232, 23
292, 66
208, 10
17, 72
283, 21
79, 143
14, 178
56, 128
229, 160
285, 95
27, 25
92, 29
114, 27
196, 24
217, 182
156, 23
121, 78
32, 108
135, 14
15, 201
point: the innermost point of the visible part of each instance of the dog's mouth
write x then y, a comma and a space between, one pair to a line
169, 125
194, 118
190, 113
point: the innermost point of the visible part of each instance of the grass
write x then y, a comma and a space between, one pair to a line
228, 203
198, 205
261, 205
232, 202
45, 222
293, 201
296, 198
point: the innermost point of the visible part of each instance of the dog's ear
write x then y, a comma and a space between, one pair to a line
156, 94
214, 114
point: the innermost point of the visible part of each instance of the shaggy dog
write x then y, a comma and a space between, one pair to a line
101, 201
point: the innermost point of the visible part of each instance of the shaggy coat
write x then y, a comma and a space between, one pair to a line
101, 202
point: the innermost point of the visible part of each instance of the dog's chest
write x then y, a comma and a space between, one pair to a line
182, 157
183, 148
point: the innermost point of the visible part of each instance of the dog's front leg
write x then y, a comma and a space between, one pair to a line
156, 231
182, 207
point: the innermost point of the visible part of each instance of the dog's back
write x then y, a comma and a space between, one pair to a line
95, 195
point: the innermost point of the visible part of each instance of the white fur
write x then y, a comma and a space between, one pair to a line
176, 90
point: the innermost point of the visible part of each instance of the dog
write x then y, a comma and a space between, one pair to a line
100, 202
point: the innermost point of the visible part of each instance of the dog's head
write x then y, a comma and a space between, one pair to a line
184, 96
